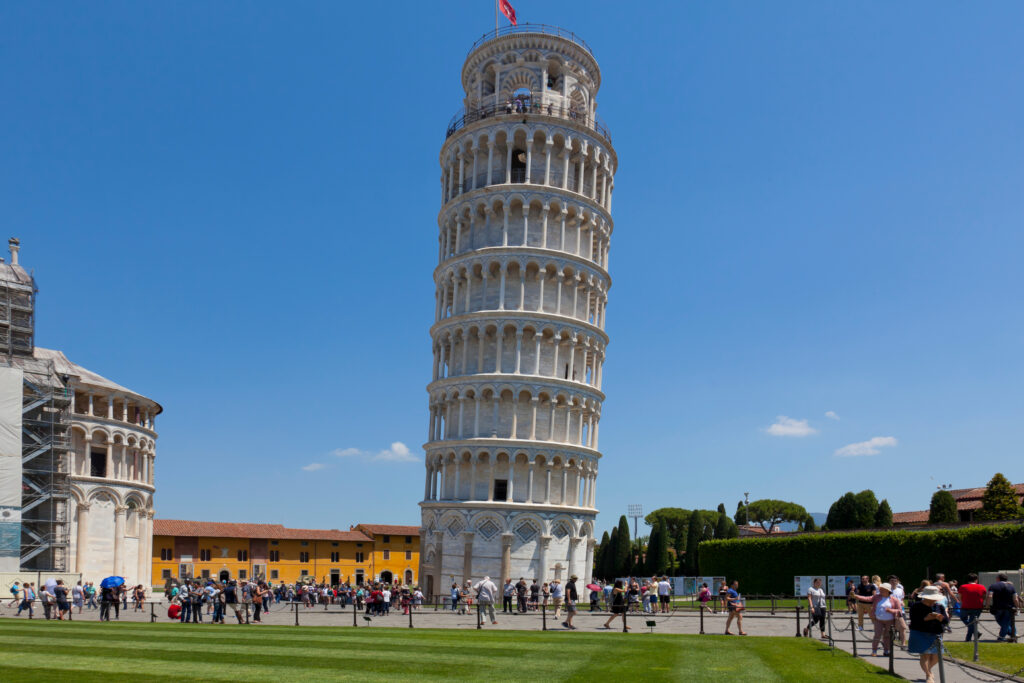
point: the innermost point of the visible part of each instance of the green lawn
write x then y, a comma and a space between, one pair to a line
1007, 657
49, 651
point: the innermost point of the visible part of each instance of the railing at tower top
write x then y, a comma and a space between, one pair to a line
546, 29
519, 108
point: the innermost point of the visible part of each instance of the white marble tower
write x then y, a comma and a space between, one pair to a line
527, 173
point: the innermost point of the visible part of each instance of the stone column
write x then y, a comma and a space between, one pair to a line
506, 557
438, 562
467, 555
589, 564
544, 542
573, 542
119, 513
110, 460
148, 575
141, 559
83, 537
529, 482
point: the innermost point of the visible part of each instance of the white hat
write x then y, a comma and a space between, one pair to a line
930, 593
886, 586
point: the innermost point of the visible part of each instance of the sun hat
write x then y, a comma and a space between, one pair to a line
886, 586
574, 577
930, 593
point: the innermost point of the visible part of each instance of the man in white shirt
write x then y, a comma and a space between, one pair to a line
664, 593
898, 596
485, 594
386, 596
816, 608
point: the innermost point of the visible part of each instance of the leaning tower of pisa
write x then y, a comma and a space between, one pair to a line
527, 172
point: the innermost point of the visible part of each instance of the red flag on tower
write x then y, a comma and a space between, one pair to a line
508, 10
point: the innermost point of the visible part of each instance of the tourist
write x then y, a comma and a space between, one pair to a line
734, 604
257, 600
557, 593
664, 594
1003, 600
108, 599
851, 603
48, 599
972, 601
231, 600
78, 596
454, 596
595, 596
948, 597
217, 597
927, 618
815, 608
28, 596
924, 584
60, 594
723, 594
884, 610
898, 596
546, 593
417, 598
607, 592
521, 595
704, 597
534, 595
618, 604
649, 592
863, 594
186, 604
486, 591
507, 591
634, 596
16, 593
571, 597
139, 597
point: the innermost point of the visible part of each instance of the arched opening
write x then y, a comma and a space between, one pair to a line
225, 575
518, 165
408, 577
386, 577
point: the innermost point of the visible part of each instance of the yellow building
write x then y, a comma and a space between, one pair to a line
221, 550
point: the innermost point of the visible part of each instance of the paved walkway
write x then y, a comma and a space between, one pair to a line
755, 624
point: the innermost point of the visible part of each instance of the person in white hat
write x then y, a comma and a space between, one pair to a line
927, 619
885, 610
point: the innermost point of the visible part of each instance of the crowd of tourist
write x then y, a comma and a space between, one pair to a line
58, 601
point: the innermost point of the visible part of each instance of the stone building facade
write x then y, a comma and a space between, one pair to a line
527, 174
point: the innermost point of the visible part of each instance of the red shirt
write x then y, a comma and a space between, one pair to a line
972, 596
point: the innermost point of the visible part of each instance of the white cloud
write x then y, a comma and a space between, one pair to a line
869, 447
831, 414
314, 466
787, 426
397, 452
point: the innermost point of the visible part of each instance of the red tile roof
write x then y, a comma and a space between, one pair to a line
180, 527
916, 517
966, 499
388, 529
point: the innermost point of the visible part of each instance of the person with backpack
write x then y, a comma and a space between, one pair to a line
571, 597
108, 598
49, 600
15, 594
28, 596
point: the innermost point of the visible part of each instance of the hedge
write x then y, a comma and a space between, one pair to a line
767, 565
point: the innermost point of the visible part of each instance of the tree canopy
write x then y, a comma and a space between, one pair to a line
999, 500
853, 511
865, 508
768, 512
942, 509
883, 515
657, 550
623, 549
741, 514
725, 527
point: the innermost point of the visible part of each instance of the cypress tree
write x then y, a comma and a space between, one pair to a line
883, 517
657, 550
623, 549
693, 538
942, 509
722, 527
741, 514
999, 500
809, 524
608, 556
600, 553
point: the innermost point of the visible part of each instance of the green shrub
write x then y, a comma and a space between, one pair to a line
768, 565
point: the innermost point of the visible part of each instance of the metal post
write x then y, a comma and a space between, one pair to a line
410, 612
892, 650
702, 621
773, 605
942, 669
798, 620
152, 613
479, 622
544, 617
853, 636
625, 608
246, 612
977, 636
296, 614
828, 615
355, 611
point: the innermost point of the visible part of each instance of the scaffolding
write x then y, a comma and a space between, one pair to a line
46, 401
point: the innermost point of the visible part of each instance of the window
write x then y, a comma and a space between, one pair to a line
359, 557
204, 555
335, 557
165, 573
243, 555
408, 554
97, 464
408, 539
242, 574
275, 556
273, 573
273, 543
334, 544
304, 572
206, 573
501, 489
359, 545
166, 554
387, 554
303, 557
387, 539
304, 544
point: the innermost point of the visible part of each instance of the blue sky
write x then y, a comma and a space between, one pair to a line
231, 207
